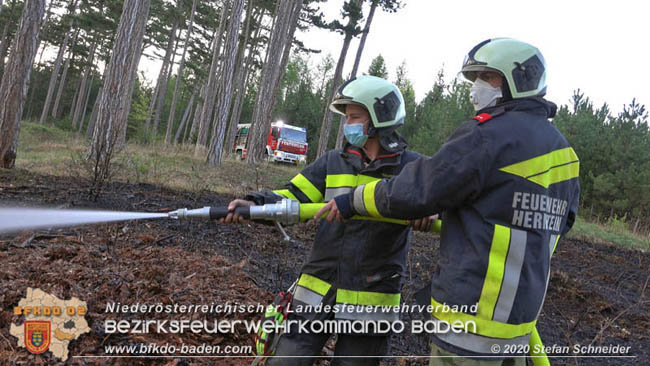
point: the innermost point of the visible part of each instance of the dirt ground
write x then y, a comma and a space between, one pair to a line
597, 296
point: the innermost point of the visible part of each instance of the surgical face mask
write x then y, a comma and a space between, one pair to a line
354, 134
483, 95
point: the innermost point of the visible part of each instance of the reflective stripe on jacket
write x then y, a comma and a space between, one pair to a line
507, 187
359, 262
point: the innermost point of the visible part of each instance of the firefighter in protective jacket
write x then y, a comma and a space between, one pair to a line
359, 262
506, 185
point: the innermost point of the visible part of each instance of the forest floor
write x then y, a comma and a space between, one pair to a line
597, 295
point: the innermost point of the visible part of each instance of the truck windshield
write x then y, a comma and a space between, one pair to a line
293, 135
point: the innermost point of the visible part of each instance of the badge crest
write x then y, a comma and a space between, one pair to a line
37, 335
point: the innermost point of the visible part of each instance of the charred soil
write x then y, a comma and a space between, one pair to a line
597, 294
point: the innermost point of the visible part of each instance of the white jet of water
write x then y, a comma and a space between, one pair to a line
19, 219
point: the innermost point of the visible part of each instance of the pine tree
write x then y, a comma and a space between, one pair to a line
13, 87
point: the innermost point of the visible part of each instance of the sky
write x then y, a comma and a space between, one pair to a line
599, 47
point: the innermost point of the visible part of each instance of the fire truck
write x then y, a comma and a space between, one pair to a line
284, 143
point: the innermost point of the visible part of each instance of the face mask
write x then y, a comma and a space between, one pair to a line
482, 94
354, 134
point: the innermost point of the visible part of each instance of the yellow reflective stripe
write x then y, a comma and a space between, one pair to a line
484, 327
554, 167
306, 187
347, 180
286, 193
369, 199
557, 175
555, 245
314, 283
495, 271
366, 298
537, 353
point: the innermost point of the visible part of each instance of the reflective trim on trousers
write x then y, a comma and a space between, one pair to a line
351, 312
477, 343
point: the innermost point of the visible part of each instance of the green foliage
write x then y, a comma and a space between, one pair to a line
378, 67
442, 110
614, 156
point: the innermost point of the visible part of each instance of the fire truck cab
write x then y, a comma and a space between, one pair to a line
284, 143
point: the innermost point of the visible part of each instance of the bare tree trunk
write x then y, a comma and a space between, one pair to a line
326, 125
4, 45
47, 19
57, 66
197, 114
186, 114
241, 78
281, 37
161, 75
114, 104
226, 88
179, 77
208, 102
13, 88
83, 90
162, 91
355, 68
85, 107
64, 75
74, 98
93, 114
187, 129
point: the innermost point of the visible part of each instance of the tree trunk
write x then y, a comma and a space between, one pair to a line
226, 85
355, 68
185, 117
13, 88
241, 78
48, 13
57, 66
197, 114
287, 16
161, 75
93, 114
83, 90
4, 45
208, 103
64, 75
179, 77
326, 125
287, 50
85, 107
114, 104
162, 91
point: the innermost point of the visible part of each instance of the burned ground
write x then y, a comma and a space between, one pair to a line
597, 294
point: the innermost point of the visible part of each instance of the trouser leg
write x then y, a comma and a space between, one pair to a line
441, 357
293, 343
360, 345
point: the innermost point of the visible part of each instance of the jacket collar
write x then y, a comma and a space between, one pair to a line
357, 158
535, 105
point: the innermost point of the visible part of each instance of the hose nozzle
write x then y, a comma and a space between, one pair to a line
184, 213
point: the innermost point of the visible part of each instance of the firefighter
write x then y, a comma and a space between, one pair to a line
358, 262
506, 185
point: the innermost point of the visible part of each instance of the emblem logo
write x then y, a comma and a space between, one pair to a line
37, 335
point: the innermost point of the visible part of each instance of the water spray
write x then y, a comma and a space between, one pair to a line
285, 211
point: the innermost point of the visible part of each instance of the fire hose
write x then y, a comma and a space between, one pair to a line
285, 211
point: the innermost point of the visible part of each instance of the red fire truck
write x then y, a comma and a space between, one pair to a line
285, 143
